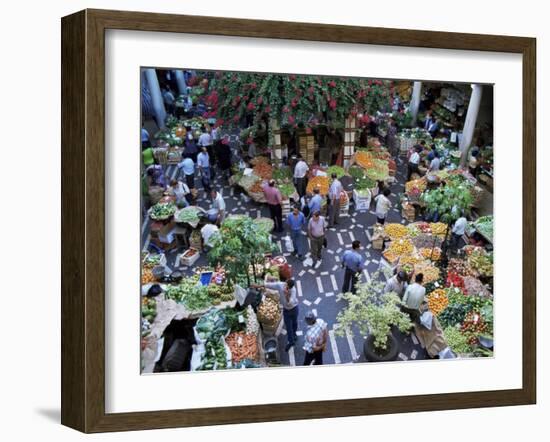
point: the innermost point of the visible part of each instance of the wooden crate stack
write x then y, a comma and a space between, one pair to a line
307, 147
408, 211
285, 205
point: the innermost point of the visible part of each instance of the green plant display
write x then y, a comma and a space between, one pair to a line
241, 243
372, 311
449, 200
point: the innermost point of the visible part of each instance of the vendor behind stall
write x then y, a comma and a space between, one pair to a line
208, 234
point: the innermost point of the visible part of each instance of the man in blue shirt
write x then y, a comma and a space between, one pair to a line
353, 262
315, 202
187, 166
295, 221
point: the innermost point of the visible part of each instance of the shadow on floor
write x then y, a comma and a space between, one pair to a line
51, 414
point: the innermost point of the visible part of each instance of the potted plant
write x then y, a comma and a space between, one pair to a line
375, 314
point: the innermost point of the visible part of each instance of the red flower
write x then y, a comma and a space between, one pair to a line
249, 140
370, 82
294, 102
219, 122
311, 90
267, 109
353, 113
319, 81
251, 106
236, 118
260, 100
308, 130
291, 119
292, 77
285, 109
332, 83
332, 104
253, 86
225, 89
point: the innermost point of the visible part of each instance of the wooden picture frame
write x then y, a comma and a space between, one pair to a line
83, 219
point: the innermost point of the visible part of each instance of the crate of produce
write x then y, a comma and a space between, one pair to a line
408, 212
189, 257
195, 240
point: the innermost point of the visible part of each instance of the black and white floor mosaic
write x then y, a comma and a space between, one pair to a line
317, 287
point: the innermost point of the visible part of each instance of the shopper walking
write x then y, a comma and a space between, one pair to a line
274, 198
295, 221
300, 176
383, 205
315, 202
190, 144
289, 300
223, 153
169, 100
414, 297
187, 168
458, 230
414, 160
353, 263
315, 339
203, 163
334, 194
205, 140
316, 230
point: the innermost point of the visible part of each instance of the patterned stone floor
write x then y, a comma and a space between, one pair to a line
318, 287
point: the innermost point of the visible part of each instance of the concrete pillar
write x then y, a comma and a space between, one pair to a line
415, 100
470, 122
156, 97
180, 79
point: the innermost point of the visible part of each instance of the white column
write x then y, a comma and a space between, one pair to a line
415, 100
156, 96
180, 79
470, 122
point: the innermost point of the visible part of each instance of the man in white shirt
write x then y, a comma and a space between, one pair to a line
383, 205
414, 297
459, 228
203, 163
414, 160
300, 178
217, 208
208, 233
334, 193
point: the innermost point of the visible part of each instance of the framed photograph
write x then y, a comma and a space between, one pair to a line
315, 221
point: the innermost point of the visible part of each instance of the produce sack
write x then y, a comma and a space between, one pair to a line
196, 357
240, 294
